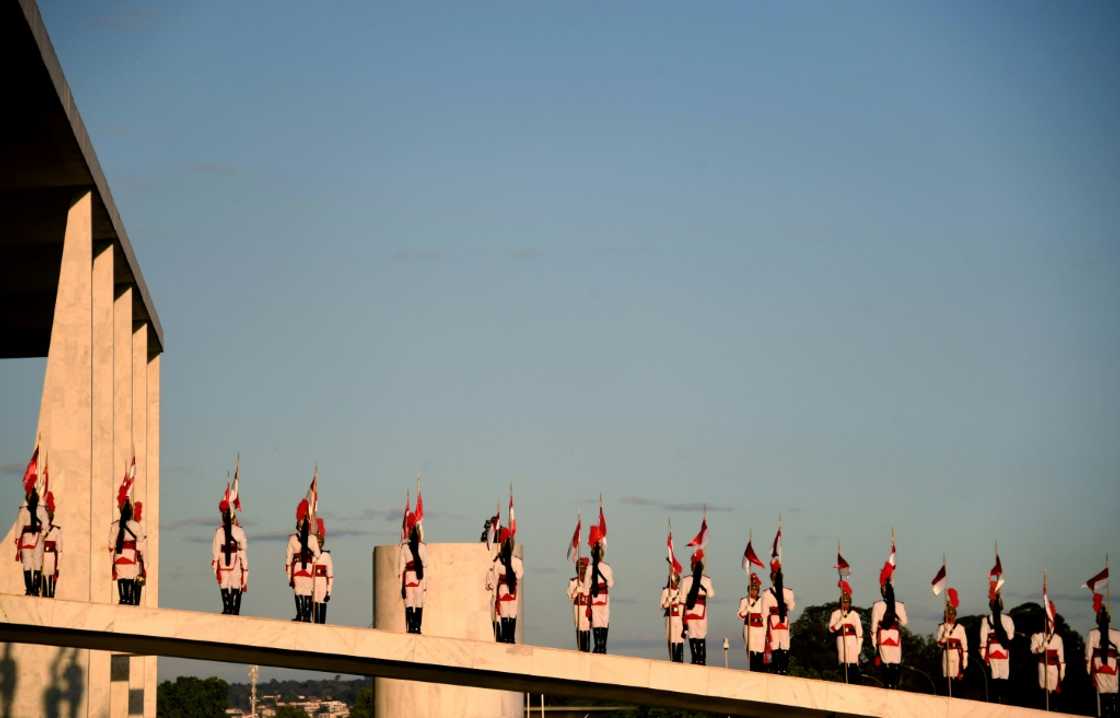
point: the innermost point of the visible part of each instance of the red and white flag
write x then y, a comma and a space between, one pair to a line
750, 558
995, 577
937, 585
313, 494
1097, 582
1048, 605
891, 556
125, 491
234, 490
602, 518
843, 568
512, 518
776, 549
700, 540
573, 545
676, 566
887, 572
31, 473
418, 515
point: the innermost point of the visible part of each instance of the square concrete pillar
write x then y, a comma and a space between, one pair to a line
151, 521
138, 664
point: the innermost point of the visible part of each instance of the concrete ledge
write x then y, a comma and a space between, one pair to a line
363, 651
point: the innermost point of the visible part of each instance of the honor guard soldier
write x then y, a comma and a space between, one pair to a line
952, 640
846, 625
778, 603
600, 584
322, 575
997, 630
52, 550
128, 545
888, 616
503, 579
673, 605
32, 523
752, 614
299, 562
229, 555
1101, 659
579, 593
1050, 649
697, 591
411, 562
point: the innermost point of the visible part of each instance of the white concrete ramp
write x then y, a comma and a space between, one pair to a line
552, 671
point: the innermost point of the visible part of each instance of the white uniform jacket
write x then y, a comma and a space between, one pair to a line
996, 655
778, 629
887, 640
1101, 664
29, 544
323, 577
505, 600
299, 573
954, 649
1051, 660
128, 563
696, 618
600, 602
849, 635
673, 607
751, 613
413, 586
52, 551
235, 572
578, 595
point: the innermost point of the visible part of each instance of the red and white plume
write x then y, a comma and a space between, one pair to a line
512, 517
31, 473
418, 515
700, 540
937, 585
124, 493
602, 520
750, 558
843, 568
674, 564
573, 544
887, 572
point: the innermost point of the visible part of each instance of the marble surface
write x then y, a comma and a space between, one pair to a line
344, 649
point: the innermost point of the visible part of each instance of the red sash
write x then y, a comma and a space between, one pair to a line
50, 546
847, 629
1051, 657
779, 625
754, 620
320, 571
301, 571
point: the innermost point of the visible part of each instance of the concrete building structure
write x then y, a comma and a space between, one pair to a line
462, 662
71, 291
456, 605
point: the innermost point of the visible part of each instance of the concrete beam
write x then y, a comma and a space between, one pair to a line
363, 651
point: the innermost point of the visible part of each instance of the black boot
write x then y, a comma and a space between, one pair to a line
235, 602
419, 619
307, 617
320, 611
409, 618
780, 662
511, 635
678, 653
296, 597
583, 641
137, 591
27, 585
36, 583
48, 587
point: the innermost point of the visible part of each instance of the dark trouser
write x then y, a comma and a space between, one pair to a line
305, 609
997, 690
698, 647
231, 601
237, 602
498, 630
299, 614
137, 589
508, 630
755, 661
676, 652
49, 585
779, 662
413, 619
583, 641
128, 589
319, 611
31, 582
892, 672
600, 636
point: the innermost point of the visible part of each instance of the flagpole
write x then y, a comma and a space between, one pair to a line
750, 539
1046, 643
669, 587
843, 638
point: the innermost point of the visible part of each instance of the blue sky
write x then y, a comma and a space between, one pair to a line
853, 265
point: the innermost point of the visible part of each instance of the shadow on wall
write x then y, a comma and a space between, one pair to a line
66, 686
7, 681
